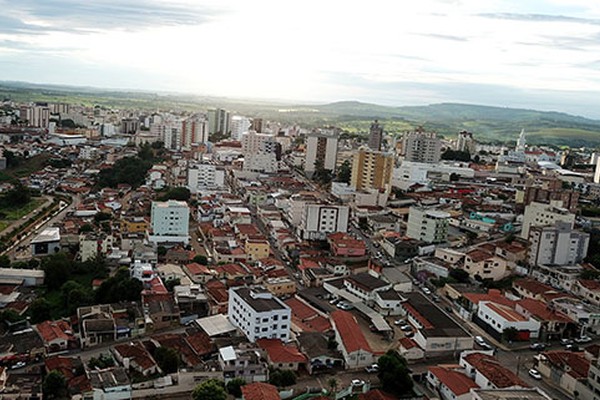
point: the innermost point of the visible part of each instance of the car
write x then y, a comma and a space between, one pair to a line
406, 328
537, 346
535, 374
19, 364
373, 328
572, 347
436, 298
409, 334
357, 382
373, 368
426, 290
400, 322
583, 339
334, 301
481, 342
566, 342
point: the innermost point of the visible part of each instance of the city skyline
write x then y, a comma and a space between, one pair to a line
533, 54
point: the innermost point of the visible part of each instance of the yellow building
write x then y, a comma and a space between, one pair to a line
372, 170
257, 249
134, 225
280, 286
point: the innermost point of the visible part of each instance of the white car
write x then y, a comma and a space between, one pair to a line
358, 382
583, 339
400, 322
535, 374
481, 342
426, 290
372, 368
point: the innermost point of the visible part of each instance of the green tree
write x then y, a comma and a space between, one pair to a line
590, 274
10, 315
4, 261
460, 275
120, 287
510, 334
333, 385
171, 283
200, 259
167, 359
282, 378
161, 251
394, 374
344, 172
103, 361
55, 386
39, 310
176, 193
234, 387
57, 268
211, 389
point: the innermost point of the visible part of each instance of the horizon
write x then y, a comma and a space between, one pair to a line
538, 55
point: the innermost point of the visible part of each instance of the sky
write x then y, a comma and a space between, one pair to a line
539, 54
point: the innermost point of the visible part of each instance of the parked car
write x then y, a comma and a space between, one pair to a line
400, 322
406, 328
19, 364
409, 334
436, 298
481, 342
583, 339
535, 374
373, 368
357, 382
426, 290
537, 346
572, 347
566, 342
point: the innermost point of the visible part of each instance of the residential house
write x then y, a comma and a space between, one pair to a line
496, 318
282, 356
364, 286
344, 245
564, 368
450, 382
135, 356
243, 362
260, 391
320, 356
589, 290
553, 324
354, 346
488, 372
110, 383
56, 335
485, 265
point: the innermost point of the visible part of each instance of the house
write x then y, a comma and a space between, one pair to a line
320, 356
282, 286
450, 383
306, 318
388, 302
564, 368
531, 288
198, 273
243, 362
354, 346
485, 265
260, 391
410, 350
160, 310
56, 335
488, 372
344, 245
282, 356
553, 324
496, 318
364, 286
134, 356
72, 369
110, 383
96, 325
256, 249
588, 289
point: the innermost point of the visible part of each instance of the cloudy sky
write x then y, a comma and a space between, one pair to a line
542, 54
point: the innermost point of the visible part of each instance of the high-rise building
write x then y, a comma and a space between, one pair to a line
597, 172
428, 225
170, 221
261, 151
465, 142
37, 115
421, 146
319, 220
321, 148
372, 170
218, 121
540, 214
375, 136
203, 176
557, 244
194, 130
257, 125
170, 133
239, 126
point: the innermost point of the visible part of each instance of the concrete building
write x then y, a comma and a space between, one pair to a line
375, 136
372, 170
352, 343
540, 214
205, 176
218, 121
91, 245
421, 146
495, 318
170, 221
27, 277
46, 243
321, 148
259, 314
428, 225
194, 131
558, 244
318, 220
239, 126
261, 152
465, 142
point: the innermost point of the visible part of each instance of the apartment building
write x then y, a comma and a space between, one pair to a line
540, 214
557, 244
372, 170
427, 224
321, 148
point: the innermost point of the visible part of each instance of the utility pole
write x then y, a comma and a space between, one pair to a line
518, 364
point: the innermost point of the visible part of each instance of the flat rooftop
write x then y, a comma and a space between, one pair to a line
440, 324
47, 235
260, 303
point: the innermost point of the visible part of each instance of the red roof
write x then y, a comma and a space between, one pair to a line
137, 353
197, 269
280, 353
492, 295
53, 330
408, 343
533, 286
494, 371
260, 391
200, 342
307, 318
349, 330
574, 364
590, 284
505, 312
457, 382
540, 311
376, 394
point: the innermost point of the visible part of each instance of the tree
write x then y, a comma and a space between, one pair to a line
344, 172
39, 310
161, 251
234, 387
167, 359
4, 261
457, 155
10, 315
394, 374
120, 287
171, 283
55, 386
176, 193
510, 334
333, 385
211, 389
58, 269
460, 275
282, 378
103, 361
200, 259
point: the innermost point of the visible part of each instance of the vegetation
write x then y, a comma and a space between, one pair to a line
55, 386
120, 287
344, 172
167, 359
234, 387
456, 155
39, 310
103, 361
394, 374
212, 389
200, 259
176, 193
282, 378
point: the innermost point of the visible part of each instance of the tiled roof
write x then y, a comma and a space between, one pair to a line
505, 312
53, 330
260, 391
280, 353
408, 343
137, 353
457, 382
479, 255
533, 286
578, 365
376, 394
200, 342
590, 284
500, 376
540, 311
492, 295
349, 330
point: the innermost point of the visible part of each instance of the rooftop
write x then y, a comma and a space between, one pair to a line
349, 330
493, 370
47, 235
436, 322
456, 381
259, 300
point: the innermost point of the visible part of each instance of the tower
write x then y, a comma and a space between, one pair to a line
376, 136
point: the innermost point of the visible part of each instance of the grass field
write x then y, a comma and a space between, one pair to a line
14, 214
26, 168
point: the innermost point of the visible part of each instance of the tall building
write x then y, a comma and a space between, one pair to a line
203, 176
170, 221
321, 147
259, 314
521, 142
261, 151
170, 133
421, 146
558, 244
428, 225
597, 172
257, 125
318, 220
239, 126
37, 115
218, 121
375, 136
540, 214
465, 142
194, 130
372, 170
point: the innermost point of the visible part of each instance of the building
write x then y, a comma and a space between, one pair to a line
205, 176
282, 356
319, 220
91, 245
486, 265
488, 372
540, 214
256, 249
218, 121
26, 277
588, 289
428, 225
344, 245
261, 152
351, 342
170, 221
465, 142
375, 136
372, 170
557, 244
194, 131
260, 391
450, 383
243, 362
321, 150
496, 318
259, 314
421, 146
280, 286
46, 243
239, 126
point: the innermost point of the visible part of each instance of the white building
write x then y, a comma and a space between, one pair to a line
170, 221
194, 130
205, 176
410, 173
46, 243
465, 142
321, 147
421, 146
500, 317
540, 214
558, 244
260, 152
239, 126
428, 225
259, 314
318, 220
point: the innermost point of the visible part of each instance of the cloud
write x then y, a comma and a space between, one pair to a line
444, 37
540, 18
